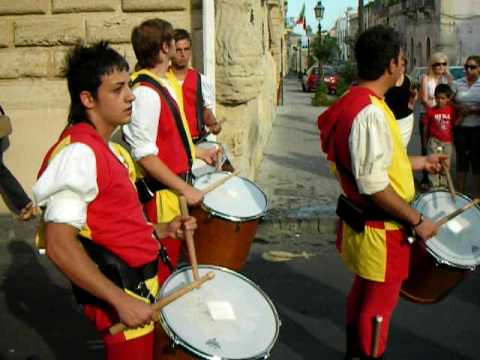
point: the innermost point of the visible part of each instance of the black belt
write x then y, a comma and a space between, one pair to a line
147, 187
115, 269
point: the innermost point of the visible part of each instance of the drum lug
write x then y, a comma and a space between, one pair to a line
237, 227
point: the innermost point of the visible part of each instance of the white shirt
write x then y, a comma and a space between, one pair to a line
68, 185
470, 96
141, 132
371, 150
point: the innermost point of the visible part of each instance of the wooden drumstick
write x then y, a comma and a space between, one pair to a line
218, 164
216, 184
449, 179
377, 324
119, 327
189, 238
457, 212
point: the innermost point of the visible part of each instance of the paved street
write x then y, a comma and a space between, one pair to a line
38, 319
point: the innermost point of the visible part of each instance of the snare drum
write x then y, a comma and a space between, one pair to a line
442, 262
227, 220
229, 317
200, 167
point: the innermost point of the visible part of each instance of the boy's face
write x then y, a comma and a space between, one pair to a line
442, 100
113, 105
183, 53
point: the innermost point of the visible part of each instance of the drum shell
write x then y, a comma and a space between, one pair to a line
222, 242
429, 281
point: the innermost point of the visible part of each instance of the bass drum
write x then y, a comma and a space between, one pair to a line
442, 262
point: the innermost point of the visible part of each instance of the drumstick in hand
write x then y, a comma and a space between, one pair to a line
218, 164
220, 182
449, 179
189, 238
377, 323
457, 212
119, 327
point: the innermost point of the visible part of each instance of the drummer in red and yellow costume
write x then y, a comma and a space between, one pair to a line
198, 97
361, 138
158, 133
93, 225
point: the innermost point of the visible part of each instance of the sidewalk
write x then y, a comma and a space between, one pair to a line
294, 174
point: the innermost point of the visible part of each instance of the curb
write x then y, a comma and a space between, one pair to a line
321, 221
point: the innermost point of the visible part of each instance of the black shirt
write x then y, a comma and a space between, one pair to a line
397, 98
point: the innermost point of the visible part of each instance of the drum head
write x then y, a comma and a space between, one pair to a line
229, 317
458, 241
238, 199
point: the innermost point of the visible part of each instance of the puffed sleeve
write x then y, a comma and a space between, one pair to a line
370, 150
207, 91
67, 186
141, 132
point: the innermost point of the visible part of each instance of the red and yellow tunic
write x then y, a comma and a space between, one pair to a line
114, 218
381, 252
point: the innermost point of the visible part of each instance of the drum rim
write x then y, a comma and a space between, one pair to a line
437, 257
178, 340
232, 217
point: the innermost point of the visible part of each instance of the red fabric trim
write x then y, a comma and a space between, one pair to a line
189, 88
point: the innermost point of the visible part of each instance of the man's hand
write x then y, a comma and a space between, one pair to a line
207, 155
133, 312
193, 196
436, 163
426, 229
177, 227
215, 128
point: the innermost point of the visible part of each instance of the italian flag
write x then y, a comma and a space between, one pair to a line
301, 17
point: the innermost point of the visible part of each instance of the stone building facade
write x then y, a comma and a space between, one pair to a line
35, 35
428, 26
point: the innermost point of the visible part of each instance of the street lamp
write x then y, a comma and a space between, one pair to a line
319, 10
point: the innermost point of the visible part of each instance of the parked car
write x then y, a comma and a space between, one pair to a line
311, 78
457, 72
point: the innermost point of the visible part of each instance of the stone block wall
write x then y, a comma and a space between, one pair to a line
34, 37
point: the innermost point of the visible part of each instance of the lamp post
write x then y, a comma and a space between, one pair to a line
300, 55
319, 10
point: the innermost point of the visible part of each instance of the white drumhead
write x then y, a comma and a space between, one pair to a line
200, 167
237, 199
458, 241
229, 317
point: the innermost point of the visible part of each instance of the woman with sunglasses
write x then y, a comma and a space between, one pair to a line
466, 134
437, 73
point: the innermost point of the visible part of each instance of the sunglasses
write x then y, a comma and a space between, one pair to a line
439, 63
470, 67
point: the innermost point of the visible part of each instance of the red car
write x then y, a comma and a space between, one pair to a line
311, 79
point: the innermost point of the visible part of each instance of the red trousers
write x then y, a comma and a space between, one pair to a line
366, 300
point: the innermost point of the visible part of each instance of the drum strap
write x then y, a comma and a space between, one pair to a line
116, 270
148, 186
165, 258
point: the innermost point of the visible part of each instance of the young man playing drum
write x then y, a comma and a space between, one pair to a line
198, 97
361, 138
158, 133
95, 230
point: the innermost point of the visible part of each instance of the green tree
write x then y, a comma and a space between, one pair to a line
326, 50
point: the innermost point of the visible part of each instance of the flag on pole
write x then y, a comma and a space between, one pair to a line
301, 17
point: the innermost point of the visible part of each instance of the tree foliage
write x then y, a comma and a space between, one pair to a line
326, 49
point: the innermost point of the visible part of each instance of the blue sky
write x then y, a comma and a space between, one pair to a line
333, 10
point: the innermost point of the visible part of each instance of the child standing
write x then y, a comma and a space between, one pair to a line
438, 123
